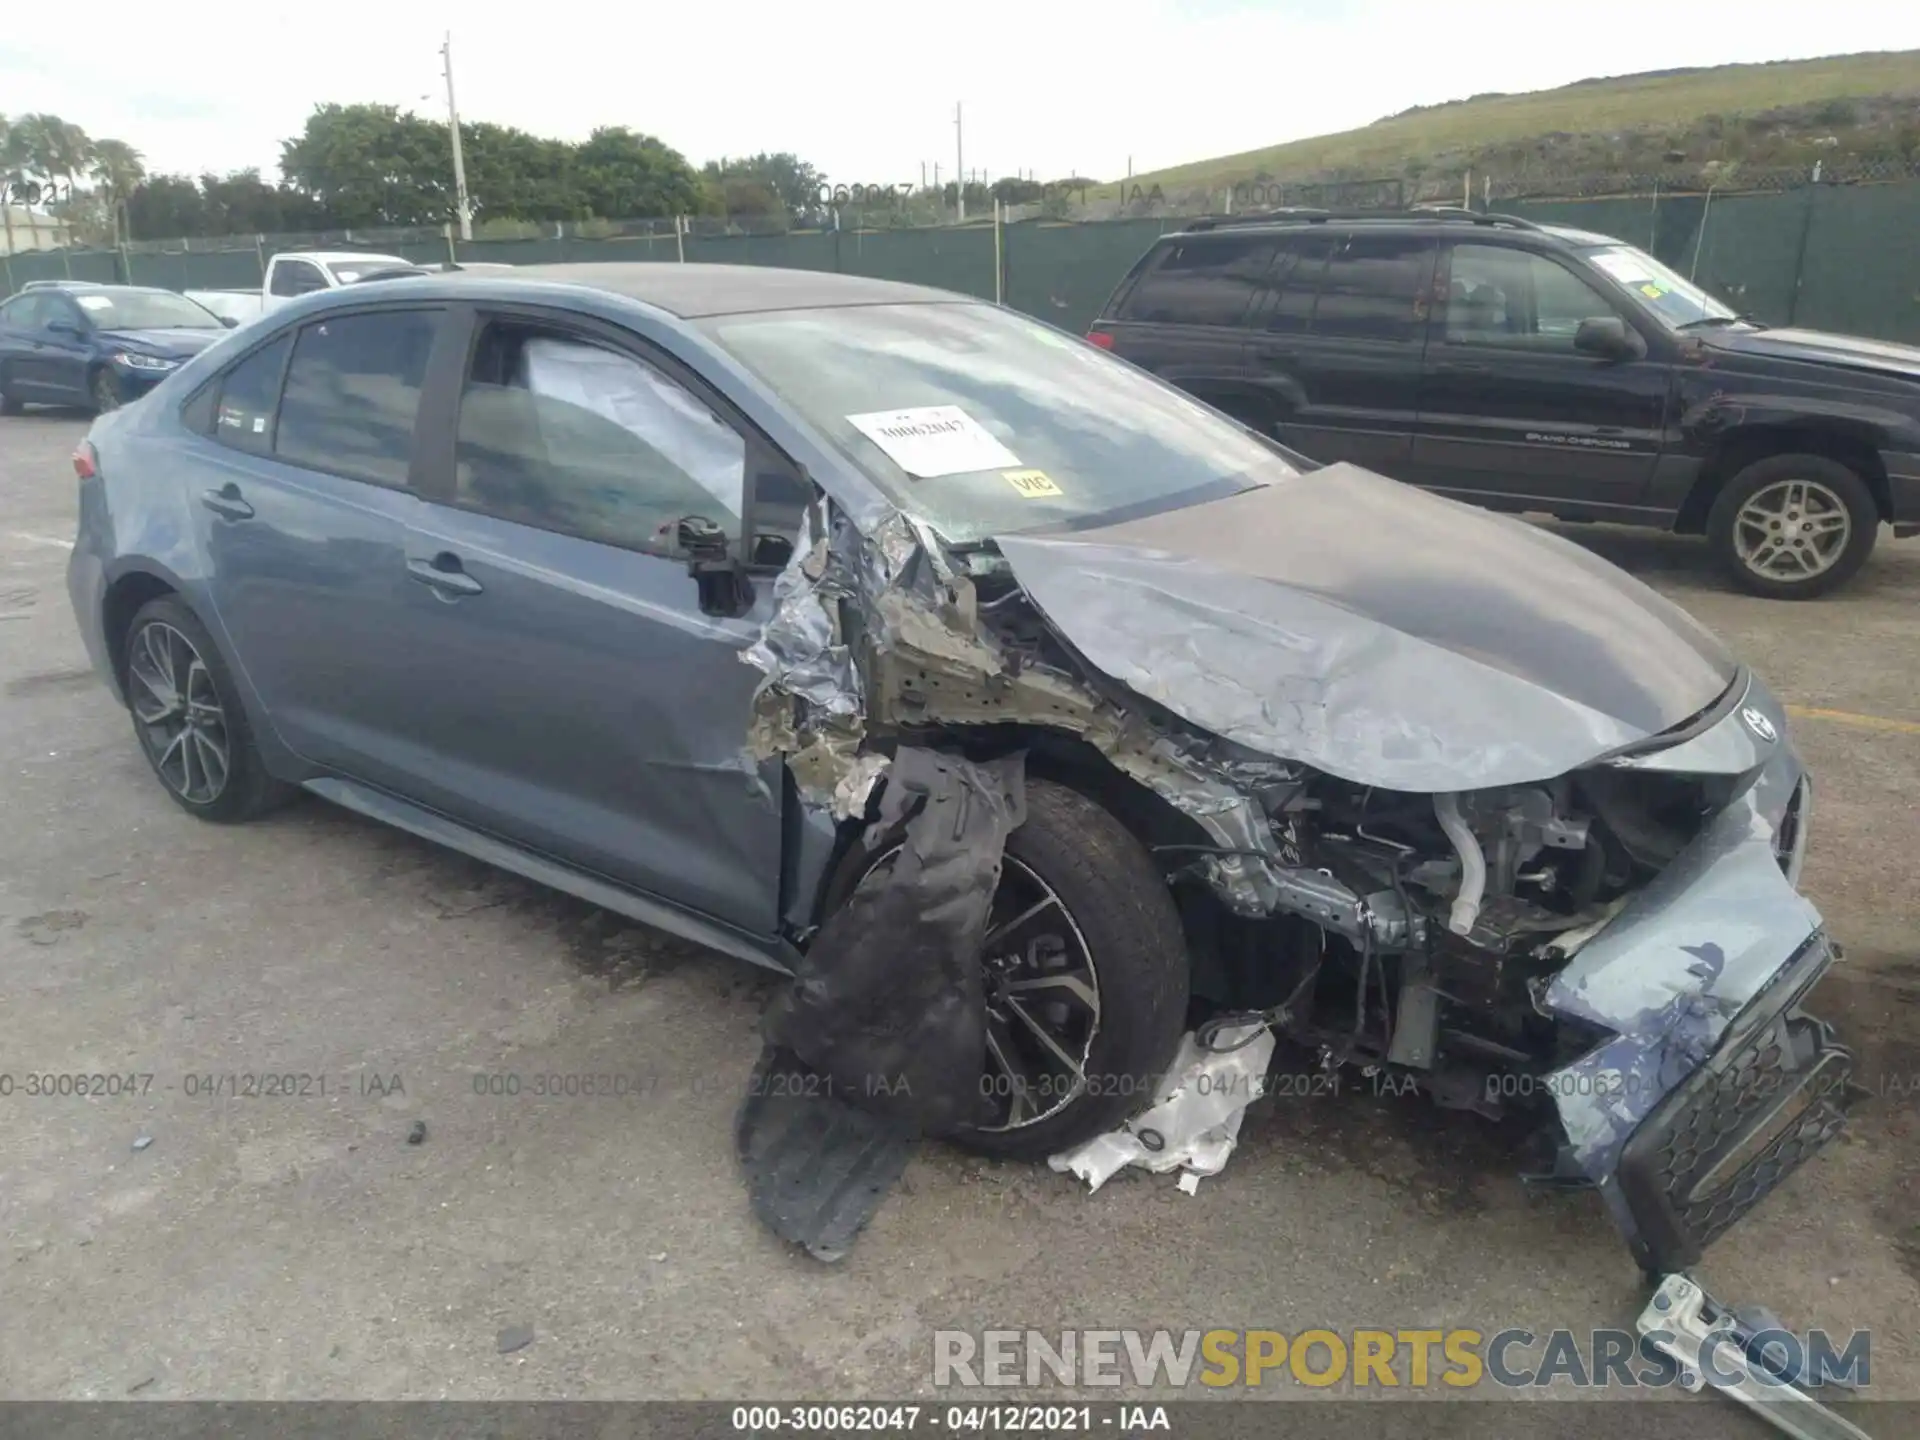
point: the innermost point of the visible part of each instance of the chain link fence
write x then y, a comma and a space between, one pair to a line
1829, 246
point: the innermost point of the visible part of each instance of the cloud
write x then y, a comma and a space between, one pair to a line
865, 89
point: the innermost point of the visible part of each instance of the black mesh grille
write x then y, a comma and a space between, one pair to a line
1774, 1094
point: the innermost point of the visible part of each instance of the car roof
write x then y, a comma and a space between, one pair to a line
334, 257
696, 291
92, 286
1436, 218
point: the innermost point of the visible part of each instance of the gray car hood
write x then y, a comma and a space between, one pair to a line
1376, 632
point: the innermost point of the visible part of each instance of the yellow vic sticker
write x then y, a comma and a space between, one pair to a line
1030, 483
1652, 292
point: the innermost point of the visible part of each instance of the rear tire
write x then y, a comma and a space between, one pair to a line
188, 718
1117, 901
1794, 526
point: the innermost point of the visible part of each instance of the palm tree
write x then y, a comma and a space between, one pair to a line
51, 148
118, 169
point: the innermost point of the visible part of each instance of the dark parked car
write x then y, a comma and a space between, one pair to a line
95, 345
1072, 713
1540, 368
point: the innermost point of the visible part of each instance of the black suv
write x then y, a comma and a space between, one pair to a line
1534, 367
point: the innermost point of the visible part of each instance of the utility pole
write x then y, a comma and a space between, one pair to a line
959, 165
462, 208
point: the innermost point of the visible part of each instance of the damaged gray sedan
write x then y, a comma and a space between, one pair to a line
1029, 712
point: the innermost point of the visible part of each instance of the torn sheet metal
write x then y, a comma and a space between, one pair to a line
1666, 975
1376, 632
1194, 1121
888, 1003
817, 1167
1682, 1321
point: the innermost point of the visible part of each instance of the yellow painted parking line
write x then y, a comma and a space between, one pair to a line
1847, 717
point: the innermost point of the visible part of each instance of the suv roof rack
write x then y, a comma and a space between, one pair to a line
1315, 216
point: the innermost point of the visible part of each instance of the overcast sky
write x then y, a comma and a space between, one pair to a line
865, 89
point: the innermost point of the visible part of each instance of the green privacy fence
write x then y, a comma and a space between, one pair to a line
1837, 257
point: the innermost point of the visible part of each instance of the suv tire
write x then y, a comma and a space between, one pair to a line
1793, 511
170, 655
1117, 901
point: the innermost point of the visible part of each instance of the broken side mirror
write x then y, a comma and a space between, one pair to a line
721, 579
1609, 337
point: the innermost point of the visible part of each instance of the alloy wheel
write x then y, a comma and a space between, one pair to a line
1792, 530
178, 714
106, 391
1043, 999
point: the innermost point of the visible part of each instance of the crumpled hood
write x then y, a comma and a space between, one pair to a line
1853, 351
1376, 632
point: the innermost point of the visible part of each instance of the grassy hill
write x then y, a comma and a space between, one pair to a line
1777, 114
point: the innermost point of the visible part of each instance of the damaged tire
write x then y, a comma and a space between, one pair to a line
1086, 971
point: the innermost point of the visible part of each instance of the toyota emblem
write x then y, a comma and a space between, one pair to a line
1759, 724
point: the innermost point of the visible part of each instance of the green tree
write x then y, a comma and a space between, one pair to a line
372, 165
620, 174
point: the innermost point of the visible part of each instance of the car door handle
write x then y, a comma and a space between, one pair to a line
228, 502
444, 575
1461, 367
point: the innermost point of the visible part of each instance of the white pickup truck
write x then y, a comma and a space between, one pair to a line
299, 272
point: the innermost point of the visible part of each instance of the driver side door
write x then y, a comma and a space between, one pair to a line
1510, 411
574, 697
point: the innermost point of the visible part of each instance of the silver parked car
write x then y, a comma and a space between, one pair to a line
1031, 712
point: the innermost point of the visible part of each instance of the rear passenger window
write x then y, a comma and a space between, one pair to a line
1371, 286
243, 418
352, 391
1201, 282
1294, 281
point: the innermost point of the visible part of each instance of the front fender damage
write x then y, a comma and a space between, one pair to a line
904, 686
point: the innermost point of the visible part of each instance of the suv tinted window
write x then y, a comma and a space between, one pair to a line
1294, 280
1371, 284
1201, 282
352, 391
1506, 297
297, 277
564, 435
249, 393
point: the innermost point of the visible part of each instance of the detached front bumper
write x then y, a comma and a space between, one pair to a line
1775, 1091
1711, 1085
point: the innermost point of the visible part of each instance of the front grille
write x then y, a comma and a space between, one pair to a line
1775, 1092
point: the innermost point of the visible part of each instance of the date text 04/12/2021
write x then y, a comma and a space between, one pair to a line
226, 1084
907, 1419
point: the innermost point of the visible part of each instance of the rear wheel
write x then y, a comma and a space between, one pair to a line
1794, 526
188, 719
1086, 977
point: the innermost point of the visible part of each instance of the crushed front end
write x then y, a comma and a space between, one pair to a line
1536, 855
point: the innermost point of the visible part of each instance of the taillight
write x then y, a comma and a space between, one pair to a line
1100, 339
86, 464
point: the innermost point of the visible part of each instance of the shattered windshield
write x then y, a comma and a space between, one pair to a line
1677, 300
984, 422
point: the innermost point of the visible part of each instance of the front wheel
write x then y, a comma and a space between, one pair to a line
1086, 977
104, 389
1791, 527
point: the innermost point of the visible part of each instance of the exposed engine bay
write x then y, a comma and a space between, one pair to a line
1578, 941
